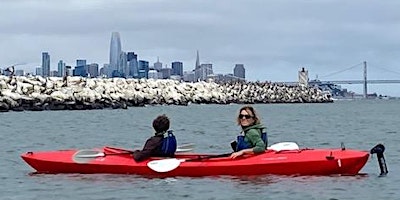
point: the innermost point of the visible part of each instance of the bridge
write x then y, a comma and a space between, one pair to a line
364, 82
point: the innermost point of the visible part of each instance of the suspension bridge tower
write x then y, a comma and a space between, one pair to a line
365, 80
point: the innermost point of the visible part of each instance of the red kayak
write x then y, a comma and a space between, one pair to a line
281, 162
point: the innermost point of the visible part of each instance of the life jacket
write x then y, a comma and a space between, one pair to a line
169, 144
241, 144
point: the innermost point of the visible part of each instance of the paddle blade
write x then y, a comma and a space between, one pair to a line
187, 146
164, 165
86, 155
180, 150
284, 146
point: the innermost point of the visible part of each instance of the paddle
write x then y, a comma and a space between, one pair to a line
180, 149
86, 155
167, 165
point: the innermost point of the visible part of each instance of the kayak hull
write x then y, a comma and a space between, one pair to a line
292, 162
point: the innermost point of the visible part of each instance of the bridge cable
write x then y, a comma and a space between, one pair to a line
388, 70
331, 74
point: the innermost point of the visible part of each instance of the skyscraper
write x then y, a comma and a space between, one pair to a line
197, 72
45, 64
177, 68
133, 64
143, 69
115, 53
239, 71
81, 68
123, 68
197, 60
61, 68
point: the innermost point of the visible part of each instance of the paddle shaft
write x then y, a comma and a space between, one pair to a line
208, 157
119, 153
180, 148
169, 164
101, 154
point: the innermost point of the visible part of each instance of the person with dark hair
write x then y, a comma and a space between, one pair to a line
162, 144
252, 139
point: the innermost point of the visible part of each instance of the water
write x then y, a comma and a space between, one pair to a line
359, 124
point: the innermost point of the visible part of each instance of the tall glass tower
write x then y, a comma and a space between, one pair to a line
45, 64
61, 69
133, 64
115, 53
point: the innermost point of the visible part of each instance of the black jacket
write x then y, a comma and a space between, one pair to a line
151, 148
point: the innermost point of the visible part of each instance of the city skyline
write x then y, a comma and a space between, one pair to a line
126, 64
274, 39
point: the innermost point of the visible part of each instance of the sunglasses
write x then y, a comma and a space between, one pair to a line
245, 116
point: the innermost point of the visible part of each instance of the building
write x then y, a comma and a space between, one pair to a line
239, 71
115, 54
177, 68
188, 76
158, 65
132, 64
93, 70
69, 71
45, 64
203, 71
80, 71
81, 68
19, 72
166, 73
61, 68
143, 69
80, 62
197, 66
53, 73
153, 74
123, 65
104, 70
38, 71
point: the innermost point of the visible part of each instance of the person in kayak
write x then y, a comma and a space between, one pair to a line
252, 139
162, 144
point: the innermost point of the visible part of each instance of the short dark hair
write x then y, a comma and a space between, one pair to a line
161, 123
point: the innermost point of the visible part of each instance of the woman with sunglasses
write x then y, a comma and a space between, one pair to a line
251, 139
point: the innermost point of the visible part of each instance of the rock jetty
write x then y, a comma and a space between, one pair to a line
19, 93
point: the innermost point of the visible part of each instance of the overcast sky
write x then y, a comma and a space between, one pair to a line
273, 39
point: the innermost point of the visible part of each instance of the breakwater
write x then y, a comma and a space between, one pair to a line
37, 93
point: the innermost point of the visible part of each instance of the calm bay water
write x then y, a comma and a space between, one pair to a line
359, 124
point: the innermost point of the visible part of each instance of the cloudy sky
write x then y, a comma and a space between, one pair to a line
272, 38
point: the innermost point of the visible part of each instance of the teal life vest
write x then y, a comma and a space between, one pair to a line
169, 144
241, 144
